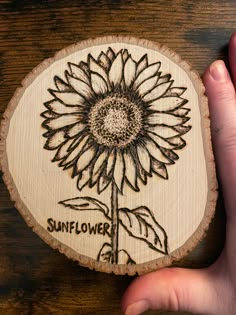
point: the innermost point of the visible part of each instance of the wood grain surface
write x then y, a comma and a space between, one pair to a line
34, 279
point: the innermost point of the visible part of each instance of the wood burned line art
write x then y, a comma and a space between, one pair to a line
116, 121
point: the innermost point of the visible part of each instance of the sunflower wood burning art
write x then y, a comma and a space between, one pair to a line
114, 166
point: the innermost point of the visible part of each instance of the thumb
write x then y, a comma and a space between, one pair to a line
173, 289
222, 103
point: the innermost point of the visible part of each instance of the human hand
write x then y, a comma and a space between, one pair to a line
211, 290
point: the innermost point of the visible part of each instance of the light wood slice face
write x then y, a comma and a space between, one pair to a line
106, 151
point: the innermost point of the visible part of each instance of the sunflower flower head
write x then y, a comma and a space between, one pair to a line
115, 120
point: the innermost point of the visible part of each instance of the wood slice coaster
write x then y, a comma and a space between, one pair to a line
106, 151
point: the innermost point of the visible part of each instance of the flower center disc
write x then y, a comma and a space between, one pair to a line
115, 121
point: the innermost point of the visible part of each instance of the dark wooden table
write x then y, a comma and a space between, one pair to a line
34, 279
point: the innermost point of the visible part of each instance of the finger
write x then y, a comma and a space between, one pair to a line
222, 104
232, 57
174, 289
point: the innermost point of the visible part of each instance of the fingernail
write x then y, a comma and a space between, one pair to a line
218, 71
137, 308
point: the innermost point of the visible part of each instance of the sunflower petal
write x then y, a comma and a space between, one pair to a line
103, 182
155, 152
62, 121
104, 61
73, 154
60, 108
166, 119
171, 155
116, 70
61, 85
74, 130
99, 85
157, 91
95, 67
178, 142
129, 71
48, 114
99, 167
142, 174
119, 171
55, 140
147, 73
95, 178
99, 162
83, 179
167, 103
62, 152
144, 158
176, 91
130, 170
110, 162
69, 98
181, 112
110, 54
125, 55
78, 73
142, 64
85, 159
161, 142
182, 129
147, 85
160, 169
79, 86
164, 79
82, 140
163, 131
84, 66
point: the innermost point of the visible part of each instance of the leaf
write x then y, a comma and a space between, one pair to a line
86, 203
105, 253
141, 224
125, 258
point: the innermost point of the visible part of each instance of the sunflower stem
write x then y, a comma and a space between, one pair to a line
115, 224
